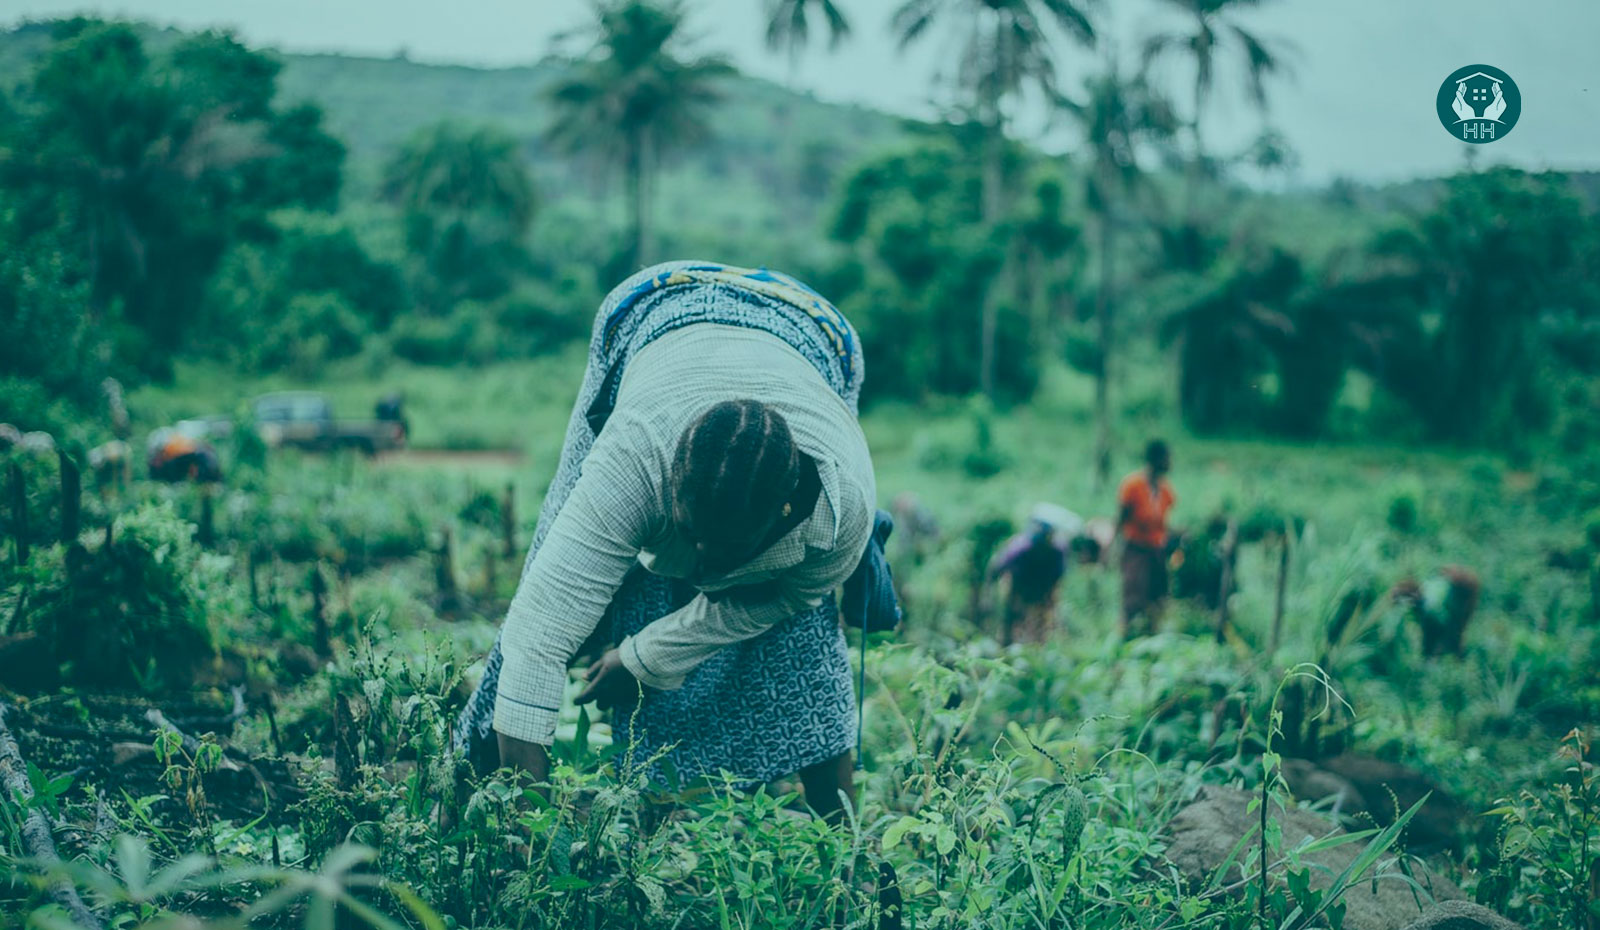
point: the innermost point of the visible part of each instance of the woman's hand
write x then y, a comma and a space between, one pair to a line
525, 757
610, 683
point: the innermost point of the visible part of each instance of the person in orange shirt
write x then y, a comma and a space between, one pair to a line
1143, 501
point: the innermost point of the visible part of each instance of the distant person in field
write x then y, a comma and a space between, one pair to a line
1441, 606
1032, 563
713, 491
1143, 501
174, 457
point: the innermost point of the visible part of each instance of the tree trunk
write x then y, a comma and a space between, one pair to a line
990, 317
1197, 164
637, 197
1102, 375
993, 210
36, 829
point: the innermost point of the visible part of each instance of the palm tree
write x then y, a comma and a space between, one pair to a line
467, 202
1213, 31
633, 99
1007, 48
1223, 334
1119, 115
789, 25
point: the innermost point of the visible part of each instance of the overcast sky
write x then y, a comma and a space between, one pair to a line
1361, 103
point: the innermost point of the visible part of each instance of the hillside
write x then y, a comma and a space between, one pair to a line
750, 180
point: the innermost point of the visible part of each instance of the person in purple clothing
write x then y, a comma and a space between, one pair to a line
1033, 562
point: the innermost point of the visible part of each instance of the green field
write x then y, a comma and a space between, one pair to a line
1372, 700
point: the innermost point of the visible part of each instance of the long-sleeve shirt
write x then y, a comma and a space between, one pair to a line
617, 516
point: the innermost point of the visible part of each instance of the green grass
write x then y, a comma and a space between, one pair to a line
1135, 726
517, 405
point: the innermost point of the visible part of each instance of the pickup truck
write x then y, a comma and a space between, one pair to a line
304, 419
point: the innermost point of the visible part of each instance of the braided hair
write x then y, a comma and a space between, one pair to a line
735, 467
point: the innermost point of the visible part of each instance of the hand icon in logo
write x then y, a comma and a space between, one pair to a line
1496, 106
1460, 105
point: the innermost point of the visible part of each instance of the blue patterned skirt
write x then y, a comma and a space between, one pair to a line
757, 710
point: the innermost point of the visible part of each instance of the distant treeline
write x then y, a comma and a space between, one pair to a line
160, 200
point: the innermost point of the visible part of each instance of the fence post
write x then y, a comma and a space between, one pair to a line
1230, 547
508, 521
71, 497
1283, 586
208, 518
319, 615
346, 757
19, 513
444, 567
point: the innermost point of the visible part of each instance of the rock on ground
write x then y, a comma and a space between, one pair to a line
1389, 788
1461, 915
1204, 833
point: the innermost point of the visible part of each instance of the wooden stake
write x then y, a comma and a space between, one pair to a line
1283, 587
208, 525
319, 613
19, 513
508, 521
1230, 544
444, 567
345, 758
272, 722
71, 497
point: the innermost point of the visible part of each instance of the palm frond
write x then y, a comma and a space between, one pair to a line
912, 20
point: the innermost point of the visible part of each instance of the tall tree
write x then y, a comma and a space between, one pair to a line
922, 260
789, 25
1007, 47
1474, 280
150, 165
1119, 114
635, 98
1212, 31
467, 202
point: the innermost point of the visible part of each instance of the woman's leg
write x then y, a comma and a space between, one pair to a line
825, 781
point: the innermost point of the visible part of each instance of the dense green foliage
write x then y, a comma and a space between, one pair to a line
1001, 786
145, 168
179, 212
1466, 317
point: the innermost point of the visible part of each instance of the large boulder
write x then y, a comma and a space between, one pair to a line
1204, 834
1312, 783
1366, 785
1461, 915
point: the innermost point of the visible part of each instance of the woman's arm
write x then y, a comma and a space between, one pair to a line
566, 589
668, 649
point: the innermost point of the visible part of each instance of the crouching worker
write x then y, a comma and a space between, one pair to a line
713, 491
1033, 562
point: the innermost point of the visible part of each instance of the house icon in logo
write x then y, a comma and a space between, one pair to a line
1479, 90
1479, 103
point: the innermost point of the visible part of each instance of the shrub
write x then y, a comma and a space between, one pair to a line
314, 329
1403, 515
133, 610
